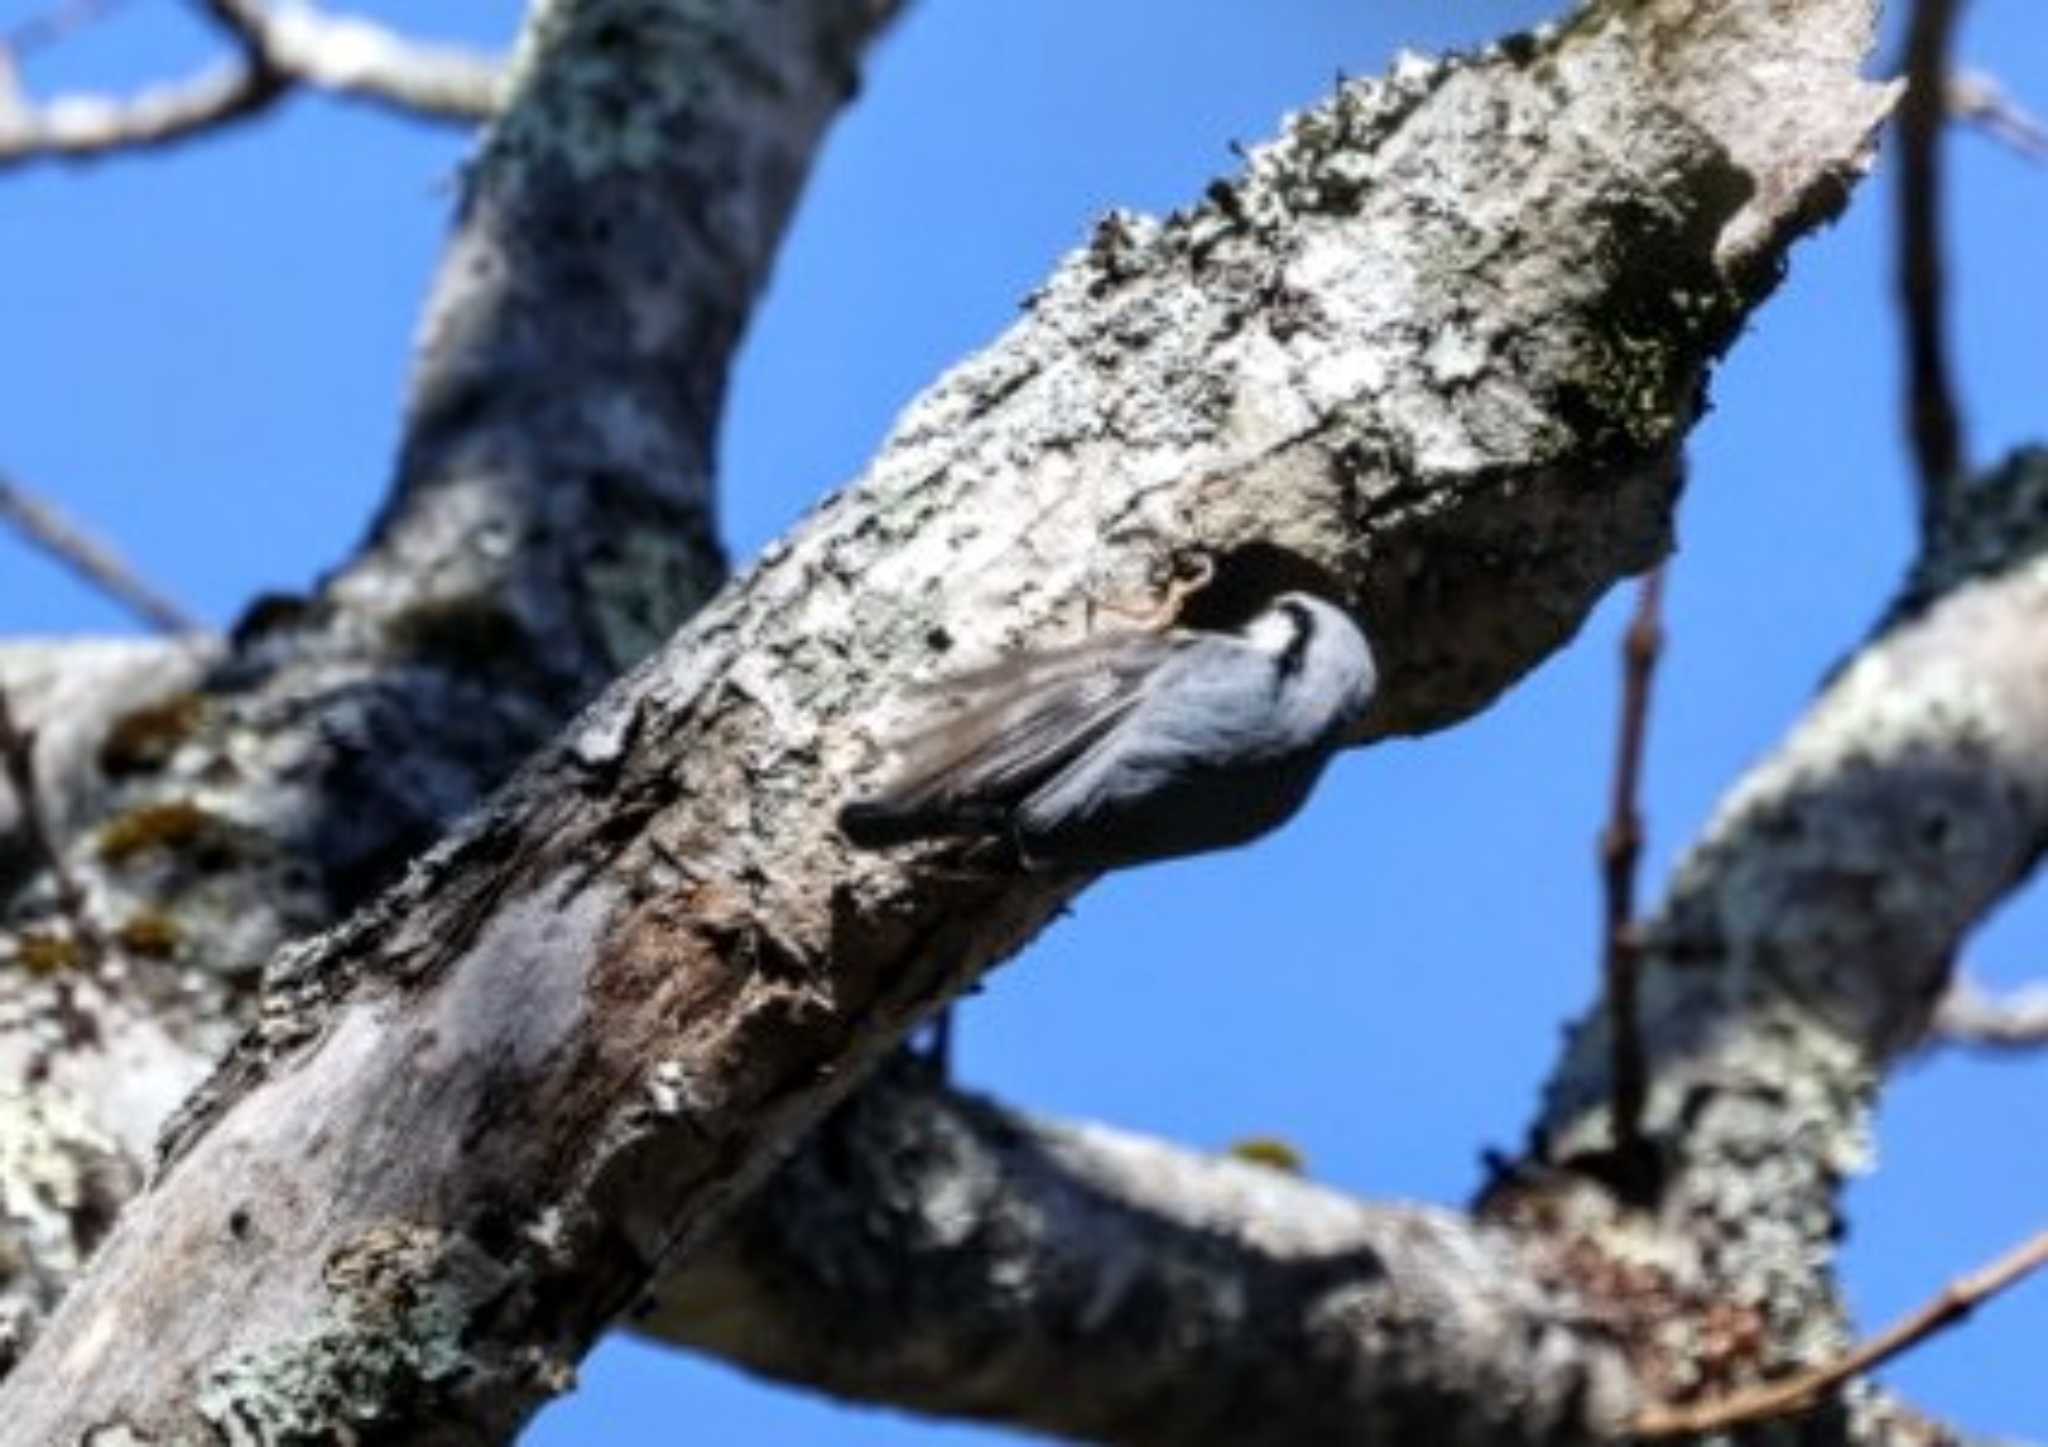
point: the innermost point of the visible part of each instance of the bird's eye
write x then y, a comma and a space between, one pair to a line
1297, 646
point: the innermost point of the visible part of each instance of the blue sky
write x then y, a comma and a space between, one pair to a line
204, 357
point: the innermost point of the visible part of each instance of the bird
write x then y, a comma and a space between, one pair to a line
1134, 746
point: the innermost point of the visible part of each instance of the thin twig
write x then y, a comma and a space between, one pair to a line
1933, 422
38, 521
1951, 1305
1977, 99
349, 56
1621, 846
280, 50
1969, 1016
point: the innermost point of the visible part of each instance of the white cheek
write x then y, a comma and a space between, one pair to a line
1269, 632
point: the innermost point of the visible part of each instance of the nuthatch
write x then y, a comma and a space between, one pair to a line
1134, 746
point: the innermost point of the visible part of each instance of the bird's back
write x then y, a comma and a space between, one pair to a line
1215, 754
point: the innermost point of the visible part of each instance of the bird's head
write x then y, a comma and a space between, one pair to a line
1317, 649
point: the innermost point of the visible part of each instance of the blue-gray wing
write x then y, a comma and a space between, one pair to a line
1214, 755
1014, 725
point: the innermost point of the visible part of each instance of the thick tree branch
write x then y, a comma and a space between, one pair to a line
1059, 1277
281, 49
551, 519
935, 1251
1803, 948
587, 1024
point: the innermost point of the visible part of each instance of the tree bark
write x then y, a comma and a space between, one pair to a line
1086, 1283
552, 518
1436, 350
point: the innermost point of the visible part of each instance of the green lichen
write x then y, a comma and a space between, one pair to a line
641, 594
604, 86
393, 1341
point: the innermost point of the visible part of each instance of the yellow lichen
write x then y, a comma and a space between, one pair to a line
169, 825
42, 953
1271, 1152
143, 739
149, 933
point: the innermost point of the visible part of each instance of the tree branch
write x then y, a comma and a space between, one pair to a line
1977, 99
1969, 1016
1621, 845
1951, 1307
1934, 423
282, 49
602, 1008
1802, 949
933, 1251
40, 524
551, 519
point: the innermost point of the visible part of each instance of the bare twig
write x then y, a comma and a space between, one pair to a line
41, 524
1933, 422
1951, 1305
1621, 846
1969, 1016
354, 57
1977, 99
79, 126
281, 50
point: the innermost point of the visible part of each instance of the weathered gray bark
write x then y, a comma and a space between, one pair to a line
549, 1063
1098, 1286
551, 520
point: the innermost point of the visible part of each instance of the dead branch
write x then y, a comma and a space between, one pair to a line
1621, 846
353, 57
1976, 98
1969, 1016
1933, 420
280, 50
39, 522
661, 1031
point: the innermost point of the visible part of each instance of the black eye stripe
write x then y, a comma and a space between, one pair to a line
1292, 656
